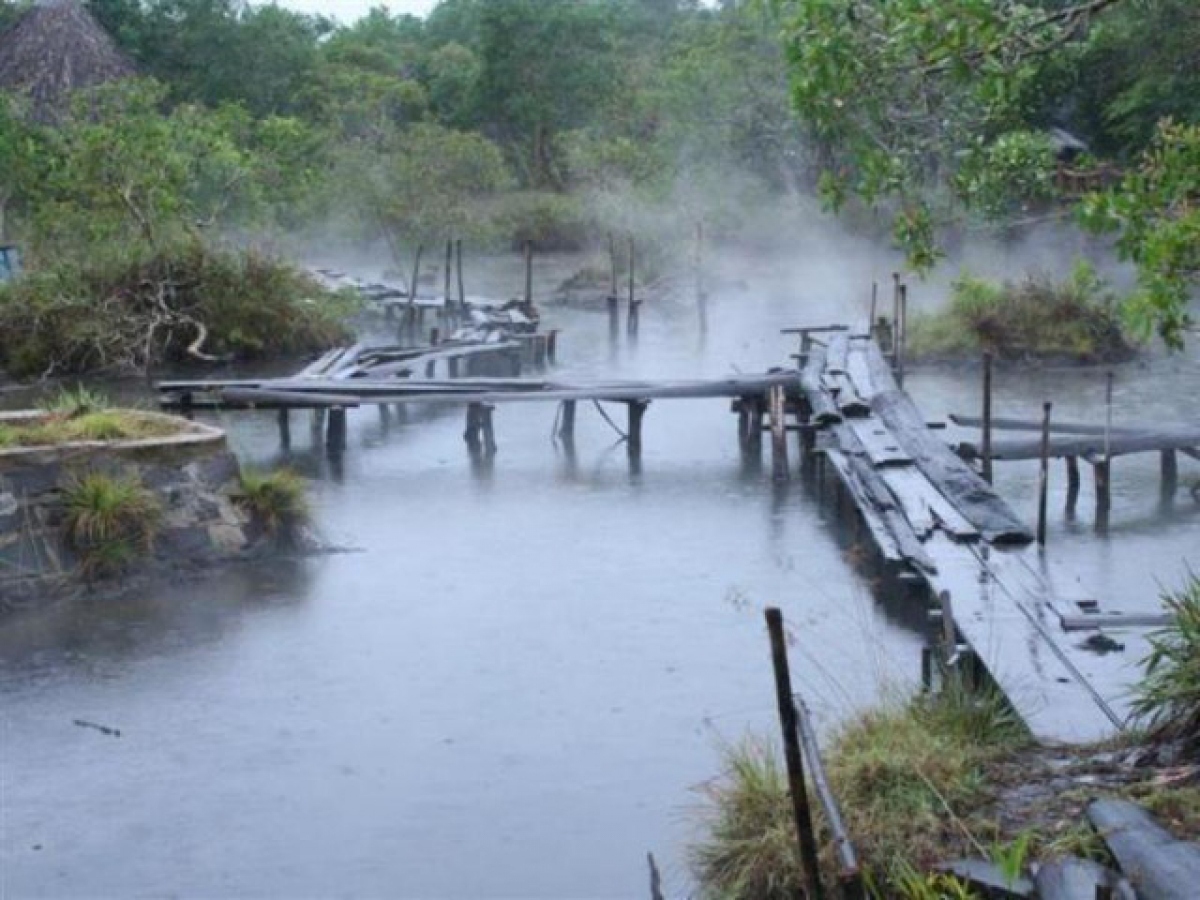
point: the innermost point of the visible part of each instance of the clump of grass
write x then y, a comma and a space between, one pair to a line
907, 778
1167, 699
110, 520
276, 502
71, 403
750, 850
101, 425
1077, 318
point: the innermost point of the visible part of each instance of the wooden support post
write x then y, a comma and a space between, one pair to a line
632, 322
452, 367
637, 412
1169, 465
614, 319
743, 414
987, 417
701, 294
471, 434
317, 425
285, 428
895, 316
566, 425
874, 308
902, 335
435, 337
1044, 474
612, 265
552, 347
778, 413
385, 417
489, 433
1072, 484
335, 435
529, 274
447, 305
1103, 472
539, 352
458, 265
756, 424
412, 282
806, 836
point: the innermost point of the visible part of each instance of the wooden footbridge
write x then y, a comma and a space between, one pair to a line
1064, 664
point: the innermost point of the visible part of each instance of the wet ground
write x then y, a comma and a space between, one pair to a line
512, 681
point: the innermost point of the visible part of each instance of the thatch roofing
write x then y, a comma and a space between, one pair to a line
55, 49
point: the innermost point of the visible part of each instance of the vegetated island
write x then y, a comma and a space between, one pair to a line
1035, 319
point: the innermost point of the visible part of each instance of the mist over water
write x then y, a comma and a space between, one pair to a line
514, 680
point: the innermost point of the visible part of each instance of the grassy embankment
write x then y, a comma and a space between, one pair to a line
130, 309
953, 775
1037, 318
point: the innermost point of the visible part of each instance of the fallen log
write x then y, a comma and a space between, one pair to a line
273, 398
824, 409
1088, 446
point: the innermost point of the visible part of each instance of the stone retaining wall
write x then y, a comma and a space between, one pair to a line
192, 473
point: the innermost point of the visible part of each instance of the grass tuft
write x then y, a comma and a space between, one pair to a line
110, 520
70, 427
276, 502
1167, 699
71, 403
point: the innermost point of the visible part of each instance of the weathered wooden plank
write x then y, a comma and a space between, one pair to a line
967, 492
912, 489
274, 399
1162, 867
879, 444
886, 543
820, 401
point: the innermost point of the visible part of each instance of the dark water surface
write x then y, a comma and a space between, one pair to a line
514, 681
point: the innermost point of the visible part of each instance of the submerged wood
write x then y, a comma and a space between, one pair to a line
1163, 867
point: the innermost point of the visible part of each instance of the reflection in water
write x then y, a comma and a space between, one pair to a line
511, 690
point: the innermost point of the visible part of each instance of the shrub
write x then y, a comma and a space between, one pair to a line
110, 521
132, 308
276, 503
1078, 318
1168, 697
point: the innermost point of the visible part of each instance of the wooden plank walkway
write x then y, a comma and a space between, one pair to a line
926, 509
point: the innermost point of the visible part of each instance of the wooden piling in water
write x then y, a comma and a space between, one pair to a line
1169, 467
902, 335
701, 295
987, 418
637, 412
285, 428
1103, 472
552, 347
471, 434
1044, 474
458, 265
412, 283
486, 421
335, 435
631, 325
777, 414
447, 305
1072, 484
529, 274
566, 425
789, 726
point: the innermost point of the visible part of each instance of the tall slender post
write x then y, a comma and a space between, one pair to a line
529, 274
612, 265
902, 334
806, 838
987, 417
778, 411
895, 314
566, 427
632, 324
1044, 474
1072, 485
701, 296
458, 265
285, 428
874, 307
1169, 466
447, 305
412, 284
637, 412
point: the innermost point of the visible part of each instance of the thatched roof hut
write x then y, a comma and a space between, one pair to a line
54, 50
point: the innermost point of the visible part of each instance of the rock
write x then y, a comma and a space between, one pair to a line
1071, 878
1162, 867
988, 878
216, 471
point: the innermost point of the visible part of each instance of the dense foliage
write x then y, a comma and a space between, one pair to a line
553, 119
930, 107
